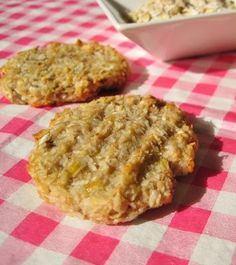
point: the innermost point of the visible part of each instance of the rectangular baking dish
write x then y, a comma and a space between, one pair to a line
176, 37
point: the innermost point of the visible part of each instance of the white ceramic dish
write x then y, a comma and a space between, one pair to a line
176, 37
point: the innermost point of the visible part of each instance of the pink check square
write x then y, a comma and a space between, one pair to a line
99, 38
4, 54
144, 61
127, 44
166, 82
224, 144
3, 36
205, 89
160, 258
16, 15
45, 29
192, 108
25, 40
21, 27
70, 34
87, 24
34, 229
95, 248
210, 178
190, 219
180, 67
19, 172
16, 126
79, 12
230, 116
63, 20
216, 72
39, 18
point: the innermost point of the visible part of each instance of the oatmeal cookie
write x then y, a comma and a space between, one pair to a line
61, 73
113, 158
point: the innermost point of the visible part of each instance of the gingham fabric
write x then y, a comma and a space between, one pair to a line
199, 227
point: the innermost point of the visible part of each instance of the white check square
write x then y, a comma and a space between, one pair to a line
226, 203
220, 103
227, 82
43, 256
3, 236
19, 147
191, 77
146, 234
26, 197
233, 166
45, 119
77, 223
13, 110
210, 250
177, 95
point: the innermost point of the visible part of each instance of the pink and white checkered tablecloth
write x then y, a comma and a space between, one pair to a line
198, 228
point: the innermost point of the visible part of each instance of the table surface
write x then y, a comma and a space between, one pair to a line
199, 227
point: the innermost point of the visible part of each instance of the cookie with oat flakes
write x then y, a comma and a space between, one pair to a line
113, 158
61, 73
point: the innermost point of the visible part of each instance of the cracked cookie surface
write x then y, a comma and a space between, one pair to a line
62, 73
113, 158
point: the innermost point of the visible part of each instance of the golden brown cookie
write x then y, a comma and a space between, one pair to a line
113, 158
62, 73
